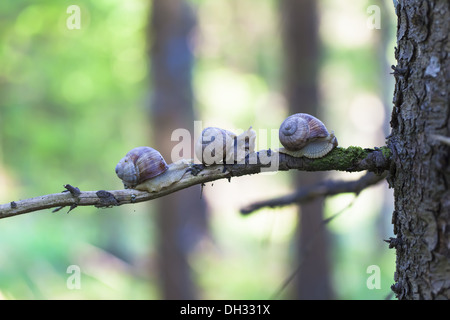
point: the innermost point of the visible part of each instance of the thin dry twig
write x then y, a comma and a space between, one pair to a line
440, 138
322, 189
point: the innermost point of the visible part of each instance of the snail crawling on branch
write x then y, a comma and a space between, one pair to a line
216, 145
144, 168
303, 135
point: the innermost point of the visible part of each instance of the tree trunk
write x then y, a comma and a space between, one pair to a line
420, 173
181, 217
301, 58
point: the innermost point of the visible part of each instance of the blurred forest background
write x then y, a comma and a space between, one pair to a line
73, 102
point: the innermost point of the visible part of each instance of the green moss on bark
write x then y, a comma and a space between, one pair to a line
342, 159
387, 153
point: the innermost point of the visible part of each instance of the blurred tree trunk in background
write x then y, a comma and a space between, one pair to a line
181, 217
301, 64
420, 172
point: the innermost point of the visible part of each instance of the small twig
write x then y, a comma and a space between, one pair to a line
394, 242
74, 191
443, 139
64, 199
321, 189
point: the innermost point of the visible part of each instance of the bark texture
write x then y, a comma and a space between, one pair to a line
420, 172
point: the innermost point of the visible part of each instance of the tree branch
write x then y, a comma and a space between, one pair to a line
349, 159
321, 189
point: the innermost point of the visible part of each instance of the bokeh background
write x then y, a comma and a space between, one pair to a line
74, 101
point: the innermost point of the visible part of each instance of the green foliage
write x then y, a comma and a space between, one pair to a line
72, 103
67, 93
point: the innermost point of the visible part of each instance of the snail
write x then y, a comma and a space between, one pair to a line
214, 144
217, 145
143, 168
303, 135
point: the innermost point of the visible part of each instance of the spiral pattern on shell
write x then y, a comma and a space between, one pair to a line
303, 135
299, 129
139, 165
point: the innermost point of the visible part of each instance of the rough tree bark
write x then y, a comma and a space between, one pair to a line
420, 172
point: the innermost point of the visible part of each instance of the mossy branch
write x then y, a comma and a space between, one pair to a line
349, 159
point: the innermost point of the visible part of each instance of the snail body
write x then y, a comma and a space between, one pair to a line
143, 168
303, 135
173, 174
217, 145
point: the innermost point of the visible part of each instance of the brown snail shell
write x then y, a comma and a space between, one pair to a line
303, 135
217, 145
143, 168
214, 144
139, 165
